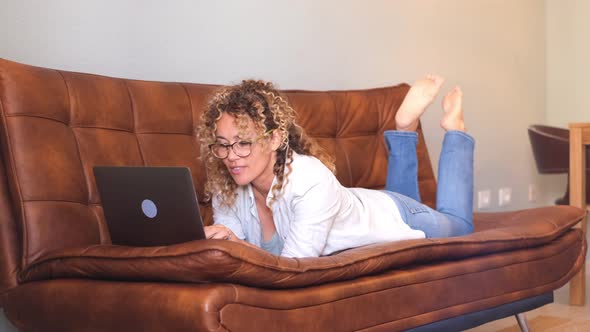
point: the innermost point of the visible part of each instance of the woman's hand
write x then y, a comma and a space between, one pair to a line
219, 232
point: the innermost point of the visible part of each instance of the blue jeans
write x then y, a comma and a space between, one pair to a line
454, 199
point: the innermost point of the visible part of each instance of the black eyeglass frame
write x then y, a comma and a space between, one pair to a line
227, 147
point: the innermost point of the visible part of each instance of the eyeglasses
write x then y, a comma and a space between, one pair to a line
240, 148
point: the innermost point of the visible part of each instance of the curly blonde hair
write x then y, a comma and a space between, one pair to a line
261, 103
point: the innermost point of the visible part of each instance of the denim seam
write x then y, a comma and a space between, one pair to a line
461, 133
395, 197
400, 133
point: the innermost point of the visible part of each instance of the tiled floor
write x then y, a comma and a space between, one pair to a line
555, 317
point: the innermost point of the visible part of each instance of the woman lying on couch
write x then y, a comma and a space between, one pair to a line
273, 187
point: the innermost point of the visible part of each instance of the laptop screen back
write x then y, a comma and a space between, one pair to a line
149, 206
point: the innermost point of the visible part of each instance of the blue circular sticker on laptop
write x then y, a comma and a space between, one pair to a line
149, 208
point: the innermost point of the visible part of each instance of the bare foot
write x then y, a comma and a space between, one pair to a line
421, 94
453, 116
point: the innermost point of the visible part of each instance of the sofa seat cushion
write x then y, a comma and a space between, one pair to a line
224, 261
394, 300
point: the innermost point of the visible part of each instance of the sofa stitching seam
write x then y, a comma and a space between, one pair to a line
134, 128
273, 267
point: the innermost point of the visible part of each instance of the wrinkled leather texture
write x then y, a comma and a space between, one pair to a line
229, 262
393, 301
57, 125
59, 271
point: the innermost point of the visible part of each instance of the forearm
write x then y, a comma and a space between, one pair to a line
222, 232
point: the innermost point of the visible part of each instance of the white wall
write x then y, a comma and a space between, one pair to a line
568, 69
568, 66
494, 49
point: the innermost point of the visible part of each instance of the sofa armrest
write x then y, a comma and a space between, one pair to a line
557, 217
221, 261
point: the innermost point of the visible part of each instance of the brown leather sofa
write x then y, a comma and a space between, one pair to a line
59, 272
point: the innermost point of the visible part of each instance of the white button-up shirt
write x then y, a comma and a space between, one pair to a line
315, 215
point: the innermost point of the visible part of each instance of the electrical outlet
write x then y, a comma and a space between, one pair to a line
504, 196
532, 193
484, 199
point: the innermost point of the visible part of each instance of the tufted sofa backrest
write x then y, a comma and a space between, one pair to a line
56, 125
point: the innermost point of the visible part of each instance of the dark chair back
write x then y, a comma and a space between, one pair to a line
552, 155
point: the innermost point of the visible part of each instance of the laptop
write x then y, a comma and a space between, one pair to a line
149, 206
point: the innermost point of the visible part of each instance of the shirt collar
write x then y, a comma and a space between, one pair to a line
270, 195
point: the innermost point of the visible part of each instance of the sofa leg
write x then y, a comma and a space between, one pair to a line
522, 322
